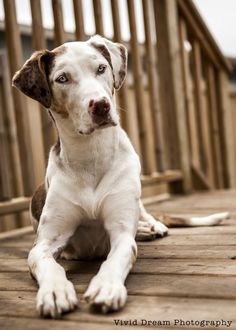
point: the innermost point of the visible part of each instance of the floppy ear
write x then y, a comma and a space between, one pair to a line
118, 57
32, 80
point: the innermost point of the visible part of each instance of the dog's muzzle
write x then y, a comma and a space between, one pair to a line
100, 112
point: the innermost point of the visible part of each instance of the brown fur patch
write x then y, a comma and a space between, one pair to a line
171, 221
38, 202
104, 51
32, 78
122, 71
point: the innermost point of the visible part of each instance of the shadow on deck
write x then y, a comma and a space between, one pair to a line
189, 275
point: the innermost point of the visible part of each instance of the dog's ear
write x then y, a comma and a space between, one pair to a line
32, 78
116, 54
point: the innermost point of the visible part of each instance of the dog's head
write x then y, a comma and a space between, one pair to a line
77, 81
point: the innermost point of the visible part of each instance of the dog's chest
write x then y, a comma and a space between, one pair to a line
86, 190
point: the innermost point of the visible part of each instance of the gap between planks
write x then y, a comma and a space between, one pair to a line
162, 308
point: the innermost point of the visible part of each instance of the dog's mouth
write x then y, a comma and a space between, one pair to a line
101, 125
105, 124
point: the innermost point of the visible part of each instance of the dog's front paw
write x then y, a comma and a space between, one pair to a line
149, 229
56, 297
106, 295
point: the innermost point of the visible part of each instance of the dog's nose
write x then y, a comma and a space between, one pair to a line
100, 107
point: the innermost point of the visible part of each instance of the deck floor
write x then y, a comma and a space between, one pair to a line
189, 275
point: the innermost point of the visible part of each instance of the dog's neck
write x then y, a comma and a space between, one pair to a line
86, 150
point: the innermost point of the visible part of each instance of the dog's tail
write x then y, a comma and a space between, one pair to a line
210, 220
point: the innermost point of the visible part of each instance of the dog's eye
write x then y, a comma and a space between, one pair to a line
101, 69
62, 79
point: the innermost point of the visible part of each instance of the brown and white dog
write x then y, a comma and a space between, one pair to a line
89, 205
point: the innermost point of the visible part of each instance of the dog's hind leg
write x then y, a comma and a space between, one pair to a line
148, 227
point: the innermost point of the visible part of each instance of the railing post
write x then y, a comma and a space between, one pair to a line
58, 22
128, 116
79, 20
146, 133
171, 89
20, 102
225, 120
39, 42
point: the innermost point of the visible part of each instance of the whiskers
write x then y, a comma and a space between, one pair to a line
121, 109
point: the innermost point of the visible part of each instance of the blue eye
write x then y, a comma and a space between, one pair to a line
101, 69
62, 79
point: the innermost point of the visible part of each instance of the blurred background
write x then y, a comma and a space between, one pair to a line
178, 104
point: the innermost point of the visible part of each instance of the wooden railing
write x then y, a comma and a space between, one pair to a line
173, 105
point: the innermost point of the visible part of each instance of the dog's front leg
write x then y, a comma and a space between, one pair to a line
106, 290
56, 294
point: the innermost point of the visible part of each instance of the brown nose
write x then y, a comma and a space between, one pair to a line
100, 108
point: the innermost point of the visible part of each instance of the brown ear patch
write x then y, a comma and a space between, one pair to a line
104, 51
32, 79
38, 202
122, 72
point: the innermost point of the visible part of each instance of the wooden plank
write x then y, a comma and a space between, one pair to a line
142, 285
194, 240
171, 88
226, 128
201, 117
98, 16
198, 28
36, 138
10, 119
187, 82
146, 135
161, 197
167, 176
38, 36
14, 205
17, 233
79, 19
146, 251
167, 308
154, 98
148, 266
7, 323
16, 61
199, 179
39, 42
215, 134
59, 32
6, 189
128, 114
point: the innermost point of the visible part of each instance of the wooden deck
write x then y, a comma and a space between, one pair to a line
189, 275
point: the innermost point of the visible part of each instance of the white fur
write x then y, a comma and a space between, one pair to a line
93, 193
210, 220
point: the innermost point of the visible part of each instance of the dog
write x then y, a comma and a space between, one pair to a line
89, 205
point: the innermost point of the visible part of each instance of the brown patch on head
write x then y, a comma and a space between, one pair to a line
60, 105
38, 202
32, 78
104, 51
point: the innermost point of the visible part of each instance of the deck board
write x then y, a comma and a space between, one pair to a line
188, 275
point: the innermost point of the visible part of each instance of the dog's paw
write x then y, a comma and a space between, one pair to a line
106, 295
150, 229
56, 297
